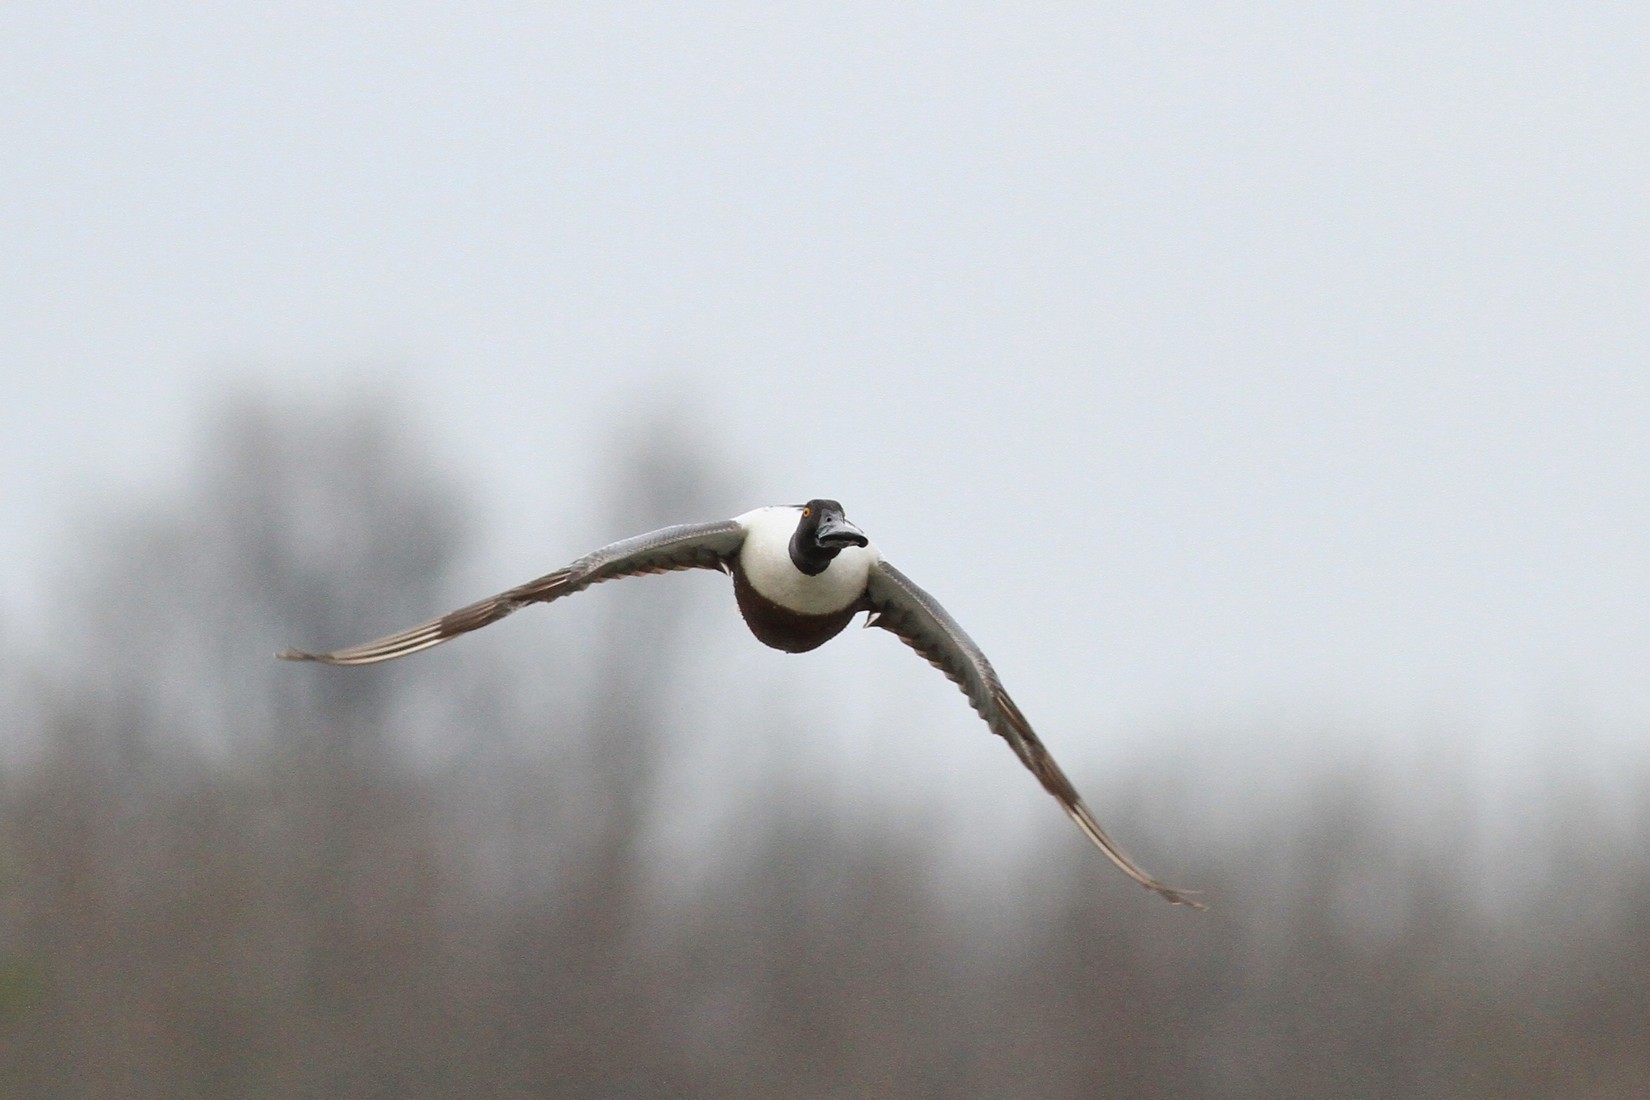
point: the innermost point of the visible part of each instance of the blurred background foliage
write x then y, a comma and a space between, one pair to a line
228, 877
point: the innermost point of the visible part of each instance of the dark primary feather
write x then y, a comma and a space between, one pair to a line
689, 546
917, 619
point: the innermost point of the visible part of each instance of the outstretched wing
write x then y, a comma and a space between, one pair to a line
690, 546
917, 619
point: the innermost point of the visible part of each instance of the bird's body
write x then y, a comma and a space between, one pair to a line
783, 606
800, 575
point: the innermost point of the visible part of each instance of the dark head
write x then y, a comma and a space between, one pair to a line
821, 535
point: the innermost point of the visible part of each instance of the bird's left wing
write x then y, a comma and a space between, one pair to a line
917, 619
690, 546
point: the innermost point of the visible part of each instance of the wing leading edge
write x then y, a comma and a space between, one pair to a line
689, 546
903, 609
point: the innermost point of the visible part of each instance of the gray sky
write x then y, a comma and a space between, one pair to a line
1206, 362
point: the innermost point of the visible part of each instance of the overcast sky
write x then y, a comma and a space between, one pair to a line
1204, 361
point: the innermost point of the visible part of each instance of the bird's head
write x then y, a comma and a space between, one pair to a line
822, 532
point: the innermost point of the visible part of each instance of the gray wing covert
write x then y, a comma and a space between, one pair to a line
689, 546
902, 608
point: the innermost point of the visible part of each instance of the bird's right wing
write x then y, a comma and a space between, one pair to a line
917, 619
690, 546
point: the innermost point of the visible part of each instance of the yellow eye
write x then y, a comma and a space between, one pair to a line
806, 512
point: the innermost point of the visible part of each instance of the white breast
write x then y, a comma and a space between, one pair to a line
765, 559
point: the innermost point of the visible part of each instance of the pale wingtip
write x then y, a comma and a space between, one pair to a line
1180, 897
295, 655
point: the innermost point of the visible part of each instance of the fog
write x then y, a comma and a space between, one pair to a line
1265, 392
587, 863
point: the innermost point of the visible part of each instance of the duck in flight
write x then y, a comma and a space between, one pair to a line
800, 573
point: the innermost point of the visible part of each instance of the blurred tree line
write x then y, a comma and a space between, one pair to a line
225, 877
